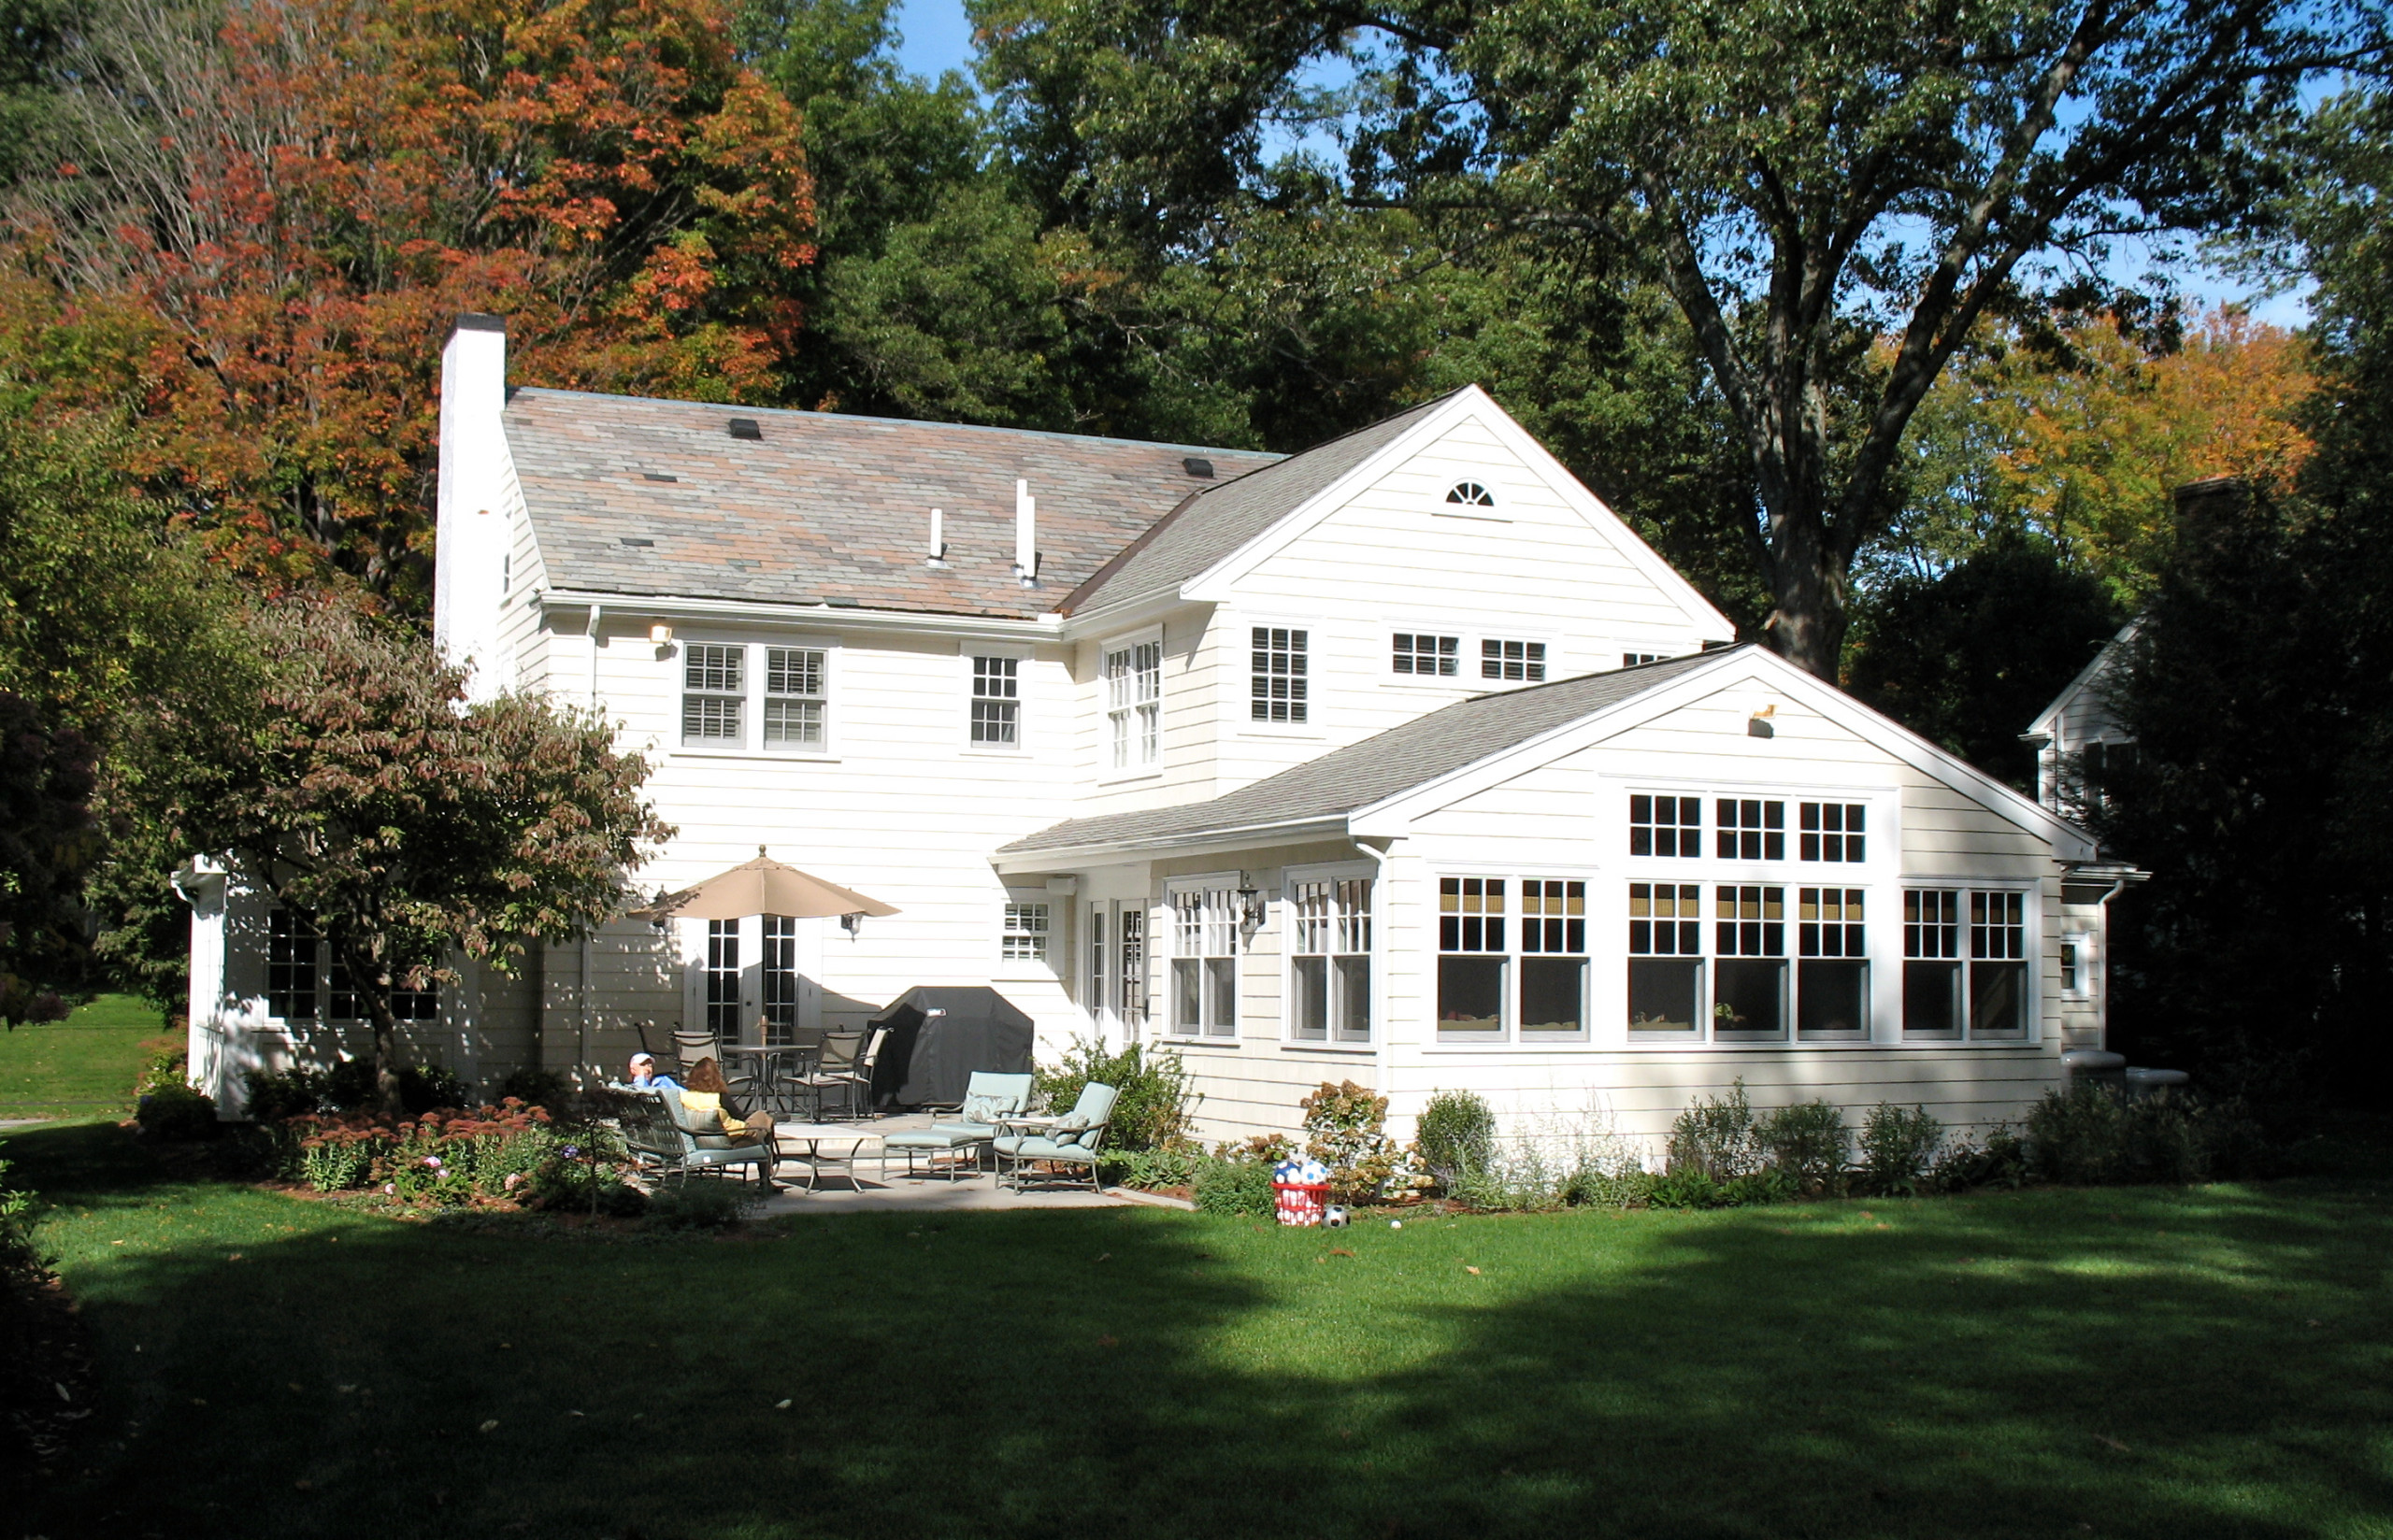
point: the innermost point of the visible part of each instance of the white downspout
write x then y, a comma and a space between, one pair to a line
581, 999
1385, 1057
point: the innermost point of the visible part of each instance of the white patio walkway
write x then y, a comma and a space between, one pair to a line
859, 1187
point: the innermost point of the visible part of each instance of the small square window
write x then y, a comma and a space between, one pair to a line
1420, 654
1026, 933
1503, 659
1833, 831
1749, 829
1665, 826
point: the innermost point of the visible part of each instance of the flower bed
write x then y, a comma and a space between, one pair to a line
510, 1154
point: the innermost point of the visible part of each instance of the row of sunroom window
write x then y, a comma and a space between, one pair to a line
1720, 961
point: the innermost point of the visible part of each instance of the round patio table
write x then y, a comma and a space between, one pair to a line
767, 1058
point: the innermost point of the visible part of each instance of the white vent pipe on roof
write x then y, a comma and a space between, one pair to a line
939, 534
1025, 537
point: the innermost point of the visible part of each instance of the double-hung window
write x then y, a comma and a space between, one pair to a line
1499, 659
1278, 686
1965, 965
1832, 975
1554, 957
291, 947
1426, 655
997, 703
1512, 959
714, 694
1026, 932
1749, 1001
1329, 968
1203, 962
1134, 705
1666, 959
794, 698
348, 1003
1474, 971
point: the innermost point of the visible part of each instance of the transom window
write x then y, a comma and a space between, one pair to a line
1134, 704
794, 697
1470, 494
1025, 935
1665, 826
1329, 969
1749, 829
1833, 831
1203, 962
1950, 995
1422, 654
1506, 660
1278, 693
997, 703
714, 693
1631, 659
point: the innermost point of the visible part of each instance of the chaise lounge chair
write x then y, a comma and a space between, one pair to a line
1072, 1140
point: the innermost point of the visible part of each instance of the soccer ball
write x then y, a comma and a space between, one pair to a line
1335, 1218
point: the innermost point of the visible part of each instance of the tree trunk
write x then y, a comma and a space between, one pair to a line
371, 977
1808, 585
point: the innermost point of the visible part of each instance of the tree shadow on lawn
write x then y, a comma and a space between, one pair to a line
1998, 1366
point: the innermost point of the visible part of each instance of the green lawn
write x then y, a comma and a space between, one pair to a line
2123, 1363
82, 1067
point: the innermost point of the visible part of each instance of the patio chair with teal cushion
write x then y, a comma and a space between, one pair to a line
667, 1135
1072, 1140
968, 1127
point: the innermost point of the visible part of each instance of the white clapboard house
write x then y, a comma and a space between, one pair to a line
1401, 759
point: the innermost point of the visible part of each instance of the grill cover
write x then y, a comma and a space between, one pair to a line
938, 1034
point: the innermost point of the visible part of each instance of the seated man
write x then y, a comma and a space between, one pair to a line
644, 1076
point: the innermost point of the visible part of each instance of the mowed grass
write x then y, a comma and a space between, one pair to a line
2208, 1362
82, 1067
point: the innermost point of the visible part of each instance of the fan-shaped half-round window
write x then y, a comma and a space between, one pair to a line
1471, 494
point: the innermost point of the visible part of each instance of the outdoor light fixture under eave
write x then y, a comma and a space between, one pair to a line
660, 634
1250, 911
852, 923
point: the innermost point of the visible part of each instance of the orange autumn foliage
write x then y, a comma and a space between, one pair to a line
261, 260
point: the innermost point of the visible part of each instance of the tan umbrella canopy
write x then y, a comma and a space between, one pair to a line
765, 886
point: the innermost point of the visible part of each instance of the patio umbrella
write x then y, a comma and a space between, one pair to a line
765, 886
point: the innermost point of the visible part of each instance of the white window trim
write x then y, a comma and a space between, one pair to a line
1106, 773
1243, 695
1496, 486
1026, 657
1475, 641
1162, 1023
2031, 918
1375, 967
752, 740
2089, 955
1509, 1038
1885, 804
1059, 936
1465, 678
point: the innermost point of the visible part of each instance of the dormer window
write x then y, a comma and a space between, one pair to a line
1470, 494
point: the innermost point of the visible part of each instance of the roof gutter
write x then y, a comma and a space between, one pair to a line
1195, 842
812, 616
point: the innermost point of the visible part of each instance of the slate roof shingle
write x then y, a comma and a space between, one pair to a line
1224, 516
638, 496
1378, 767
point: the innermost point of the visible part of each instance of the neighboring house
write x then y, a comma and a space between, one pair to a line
2078, 739
1401, 759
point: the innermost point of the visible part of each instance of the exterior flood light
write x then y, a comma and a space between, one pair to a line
660, 634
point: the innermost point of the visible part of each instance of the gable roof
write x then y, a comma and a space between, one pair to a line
826, 509
2104, 660
1219, 520
1362, 774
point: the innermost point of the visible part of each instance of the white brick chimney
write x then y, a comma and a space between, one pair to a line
471, 538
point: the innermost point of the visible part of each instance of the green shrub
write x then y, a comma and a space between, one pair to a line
20, 1264
1235, 1187
2088, 1133
348, 1087
1692, 1188
1174, 1165
292, 1093
175, 1111
1344, 1127
1898, 1150
715, 1203
2002, 1161
1715, 1136
1456, 1133
540, 1087
1154, 1106
1807, 1144
169, 1068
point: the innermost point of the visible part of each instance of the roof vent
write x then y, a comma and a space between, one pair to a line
1202, 469
843, 602
635, 540
658, 476
745, 427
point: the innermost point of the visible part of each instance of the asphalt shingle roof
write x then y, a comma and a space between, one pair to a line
1378, 767
1225, 516
638, 496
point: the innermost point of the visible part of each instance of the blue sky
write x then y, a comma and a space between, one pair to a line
938, 37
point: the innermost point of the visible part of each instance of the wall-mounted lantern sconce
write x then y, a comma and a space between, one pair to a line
1250, 909
660, 634
853, 924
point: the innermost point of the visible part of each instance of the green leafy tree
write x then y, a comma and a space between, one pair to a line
405, 824
1803, 177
